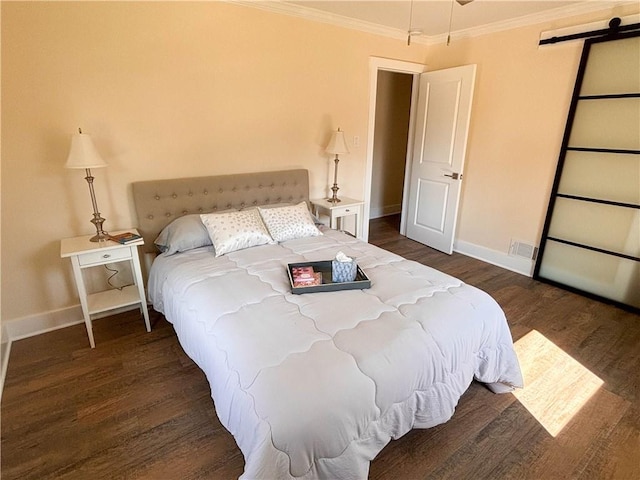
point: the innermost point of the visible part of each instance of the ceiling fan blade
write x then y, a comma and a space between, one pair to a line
464, 2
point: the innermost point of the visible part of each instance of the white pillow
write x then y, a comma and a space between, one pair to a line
287, 223
235, 230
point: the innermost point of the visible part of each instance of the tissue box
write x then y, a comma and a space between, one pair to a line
343, 271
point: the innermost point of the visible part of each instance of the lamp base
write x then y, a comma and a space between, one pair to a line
334, 198
100, 237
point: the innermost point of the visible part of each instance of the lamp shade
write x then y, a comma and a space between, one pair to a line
337, 144
83, 153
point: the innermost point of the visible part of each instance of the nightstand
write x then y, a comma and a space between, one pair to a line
85, 254
337, 211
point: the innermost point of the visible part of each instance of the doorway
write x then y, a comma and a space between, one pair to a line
407, 72
390, 143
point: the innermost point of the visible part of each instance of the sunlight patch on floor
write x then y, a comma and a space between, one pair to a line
555, 385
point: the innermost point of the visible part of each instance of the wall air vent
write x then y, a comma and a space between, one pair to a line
524, 250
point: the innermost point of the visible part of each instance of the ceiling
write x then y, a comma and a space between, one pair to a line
432, 17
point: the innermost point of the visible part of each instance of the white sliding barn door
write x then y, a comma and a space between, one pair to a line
440, 143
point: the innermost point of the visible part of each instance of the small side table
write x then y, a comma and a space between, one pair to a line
86, 254
337, 211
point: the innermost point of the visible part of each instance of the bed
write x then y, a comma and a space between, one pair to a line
313, 385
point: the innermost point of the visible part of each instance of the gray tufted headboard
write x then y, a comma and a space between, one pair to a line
158, 202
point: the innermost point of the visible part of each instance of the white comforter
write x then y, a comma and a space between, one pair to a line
315, 385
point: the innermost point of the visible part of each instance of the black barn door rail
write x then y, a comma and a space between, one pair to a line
614, 28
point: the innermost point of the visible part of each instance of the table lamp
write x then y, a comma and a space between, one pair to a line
83, 154
336, 146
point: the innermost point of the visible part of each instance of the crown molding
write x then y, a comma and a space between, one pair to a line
315, 15
533, 19
311, 14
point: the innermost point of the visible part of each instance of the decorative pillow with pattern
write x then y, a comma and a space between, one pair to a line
236, 230
287, 223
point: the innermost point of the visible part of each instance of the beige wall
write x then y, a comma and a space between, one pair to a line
393, 101
181, 89
165, 89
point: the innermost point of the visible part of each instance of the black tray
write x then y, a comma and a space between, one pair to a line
361, 281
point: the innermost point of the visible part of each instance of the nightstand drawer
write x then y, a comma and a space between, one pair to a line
107, 256
346, 210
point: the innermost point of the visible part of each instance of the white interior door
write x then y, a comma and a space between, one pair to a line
439, 148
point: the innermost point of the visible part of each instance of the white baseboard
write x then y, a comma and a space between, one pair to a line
516, 264
377, 212
53, 320
42, 322
5, 350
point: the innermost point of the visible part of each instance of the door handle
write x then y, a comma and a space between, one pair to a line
454, 175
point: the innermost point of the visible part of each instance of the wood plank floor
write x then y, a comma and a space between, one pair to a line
137, 408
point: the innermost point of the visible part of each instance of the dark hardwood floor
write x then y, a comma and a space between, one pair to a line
137, 407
